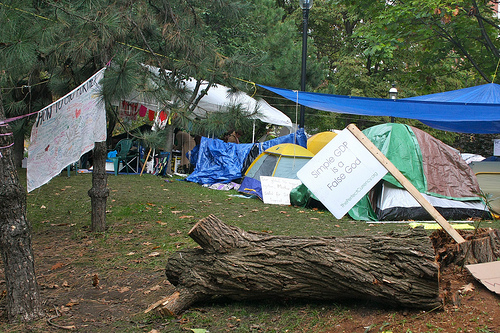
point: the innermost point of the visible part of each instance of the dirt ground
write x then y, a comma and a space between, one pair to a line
82, 298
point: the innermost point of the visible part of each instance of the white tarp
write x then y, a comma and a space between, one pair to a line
219, 97
65, 130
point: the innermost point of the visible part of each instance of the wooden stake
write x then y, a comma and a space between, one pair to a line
145, 162
406, 183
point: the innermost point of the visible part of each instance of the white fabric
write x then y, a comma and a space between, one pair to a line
65, 130
392, 196
219, 97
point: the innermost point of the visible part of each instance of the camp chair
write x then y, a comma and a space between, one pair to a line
125, 156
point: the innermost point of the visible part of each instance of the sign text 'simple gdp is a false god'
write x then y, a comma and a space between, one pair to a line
341, 173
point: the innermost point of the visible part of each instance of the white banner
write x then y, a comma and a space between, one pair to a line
65, 130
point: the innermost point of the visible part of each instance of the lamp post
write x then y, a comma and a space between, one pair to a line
305, 5
393, 94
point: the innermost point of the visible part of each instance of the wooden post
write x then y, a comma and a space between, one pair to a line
145, 162
406, 183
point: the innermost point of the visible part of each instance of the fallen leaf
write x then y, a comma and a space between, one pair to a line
155, 288
123, 289
467, 288
186, 217
56, 266
314, 218
176, 211
282, 212
71, 303
154, 254
42, 207
147, 243
95, 280
65, 284
130, 253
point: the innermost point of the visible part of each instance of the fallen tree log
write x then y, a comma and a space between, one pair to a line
394, 269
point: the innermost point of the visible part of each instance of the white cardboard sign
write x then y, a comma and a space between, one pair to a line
496, 147
276, 190
341, 173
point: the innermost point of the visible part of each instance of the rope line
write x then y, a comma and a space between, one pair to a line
496, 70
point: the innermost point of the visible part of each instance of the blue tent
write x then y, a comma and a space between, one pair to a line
220, 162
469, 110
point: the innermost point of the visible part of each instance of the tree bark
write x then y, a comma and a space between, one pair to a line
99, 192
395, 269
23, 296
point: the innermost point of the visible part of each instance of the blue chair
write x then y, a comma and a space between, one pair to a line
127, 157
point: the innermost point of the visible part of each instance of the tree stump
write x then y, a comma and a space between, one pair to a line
394, 269
481, 245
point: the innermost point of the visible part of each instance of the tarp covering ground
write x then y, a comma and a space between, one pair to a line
470, 110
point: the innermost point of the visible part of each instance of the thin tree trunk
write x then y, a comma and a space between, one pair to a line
18, 149
99, 192
23, 296
169, 145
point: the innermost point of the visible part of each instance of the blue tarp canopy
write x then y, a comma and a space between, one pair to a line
220, 162
470, 110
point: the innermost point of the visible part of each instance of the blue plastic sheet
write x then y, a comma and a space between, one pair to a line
470, 110
217, 161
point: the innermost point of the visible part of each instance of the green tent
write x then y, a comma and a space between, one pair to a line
434, 168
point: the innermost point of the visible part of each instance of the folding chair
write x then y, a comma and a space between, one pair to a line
126, 157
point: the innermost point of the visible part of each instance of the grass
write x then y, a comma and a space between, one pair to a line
148, 219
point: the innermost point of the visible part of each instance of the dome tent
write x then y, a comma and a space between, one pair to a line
316, 142
434, 168
283, 160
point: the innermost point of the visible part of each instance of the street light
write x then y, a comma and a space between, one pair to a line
305, 5
393, 94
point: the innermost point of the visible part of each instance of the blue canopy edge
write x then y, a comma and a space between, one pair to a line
469, 110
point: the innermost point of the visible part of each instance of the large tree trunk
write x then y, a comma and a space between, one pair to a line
23, 296
396, 269
99, 192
